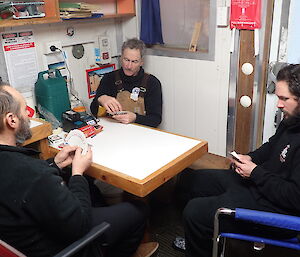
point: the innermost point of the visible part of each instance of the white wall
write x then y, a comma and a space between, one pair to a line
290, 54
86, 33
293, 53
195, 93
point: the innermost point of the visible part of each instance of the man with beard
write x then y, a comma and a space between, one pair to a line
130, 94
39, 214
267, 179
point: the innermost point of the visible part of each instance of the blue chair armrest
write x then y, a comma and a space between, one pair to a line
289, 243
269, 218
80, 243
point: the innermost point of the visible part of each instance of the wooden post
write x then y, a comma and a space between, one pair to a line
245, 85
195, 37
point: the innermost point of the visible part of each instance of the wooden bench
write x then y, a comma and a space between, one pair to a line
211, 161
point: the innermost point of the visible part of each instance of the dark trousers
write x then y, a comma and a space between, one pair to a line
127, 225
206, 191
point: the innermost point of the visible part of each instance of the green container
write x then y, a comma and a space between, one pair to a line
51, 93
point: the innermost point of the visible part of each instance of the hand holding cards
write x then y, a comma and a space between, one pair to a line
77, 138
118, 113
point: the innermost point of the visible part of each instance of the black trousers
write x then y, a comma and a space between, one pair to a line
206, 191
127, 225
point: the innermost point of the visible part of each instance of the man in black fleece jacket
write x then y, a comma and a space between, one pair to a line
39, 214
130, 90
266, 179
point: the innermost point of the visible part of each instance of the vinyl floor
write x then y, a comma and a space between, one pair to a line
165, 222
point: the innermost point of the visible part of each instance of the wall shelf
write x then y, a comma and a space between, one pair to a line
124, 9
104, 17
51, 11
14, 23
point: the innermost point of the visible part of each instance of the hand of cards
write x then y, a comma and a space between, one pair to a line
77, 138
118, 113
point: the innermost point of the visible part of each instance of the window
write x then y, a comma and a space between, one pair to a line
178, 18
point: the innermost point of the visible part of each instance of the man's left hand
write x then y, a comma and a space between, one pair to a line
126, 118
244, 169
65, 156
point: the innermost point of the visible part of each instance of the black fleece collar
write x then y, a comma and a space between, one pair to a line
132, 79
19, 149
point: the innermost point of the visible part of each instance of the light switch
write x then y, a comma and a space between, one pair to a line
222, 16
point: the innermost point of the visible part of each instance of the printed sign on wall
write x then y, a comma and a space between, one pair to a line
21, 59
245, 14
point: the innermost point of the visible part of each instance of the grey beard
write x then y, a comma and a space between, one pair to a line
23, 133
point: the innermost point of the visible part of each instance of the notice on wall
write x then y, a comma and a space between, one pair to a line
245, 14
21, 60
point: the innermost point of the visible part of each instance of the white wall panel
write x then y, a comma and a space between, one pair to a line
195, 93
184, 96
162, 72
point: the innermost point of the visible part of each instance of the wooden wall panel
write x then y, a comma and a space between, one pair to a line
244, 87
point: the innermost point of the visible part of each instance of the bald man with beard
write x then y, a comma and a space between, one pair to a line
39, 214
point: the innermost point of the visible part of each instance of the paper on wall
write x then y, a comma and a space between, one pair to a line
21, 59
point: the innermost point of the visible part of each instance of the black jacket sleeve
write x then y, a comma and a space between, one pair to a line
104, 88
261, 154
65, 213
280, 191
276, 176
153, 104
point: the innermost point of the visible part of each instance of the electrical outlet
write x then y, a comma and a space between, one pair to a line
104, 47
57, 44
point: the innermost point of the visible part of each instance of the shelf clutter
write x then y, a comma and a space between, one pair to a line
21, 9
109, 9
79, 10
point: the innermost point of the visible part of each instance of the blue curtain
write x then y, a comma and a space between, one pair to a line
150, 23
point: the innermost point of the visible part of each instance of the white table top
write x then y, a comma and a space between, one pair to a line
135, 150
34, 123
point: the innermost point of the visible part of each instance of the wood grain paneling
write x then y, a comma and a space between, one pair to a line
244, 87
211, 161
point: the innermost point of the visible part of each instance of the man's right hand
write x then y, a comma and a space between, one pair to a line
81, 161
244, 158
110, 103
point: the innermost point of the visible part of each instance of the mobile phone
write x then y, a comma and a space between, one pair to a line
235, 156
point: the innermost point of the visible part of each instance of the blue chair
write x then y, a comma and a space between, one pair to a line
275, 220
8, 251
